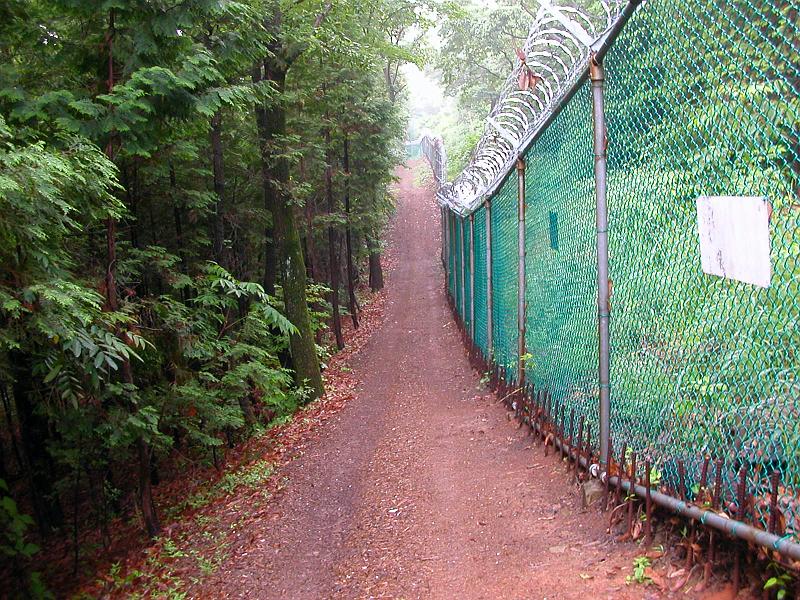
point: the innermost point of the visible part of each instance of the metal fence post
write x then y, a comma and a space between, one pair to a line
521, 269
597, 76
472, 276
489, 294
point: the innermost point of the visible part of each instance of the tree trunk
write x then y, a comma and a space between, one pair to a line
248, 413
275, 171
351, 292
130, 182
12, 432
266, 133
293, 277
177, 216
308, 253
132, 204
390, 89
3, 472
112, 304
146, 490
311, 251
356, 246
333, 244
375, 271
218, 226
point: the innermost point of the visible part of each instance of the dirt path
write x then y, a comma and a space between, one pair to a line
421, 487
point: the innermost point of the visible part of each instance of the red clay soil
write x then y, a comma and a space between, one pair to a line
408, 480
421, 487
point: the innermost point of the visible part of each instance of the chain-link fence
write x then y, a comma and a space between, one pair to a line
701, 99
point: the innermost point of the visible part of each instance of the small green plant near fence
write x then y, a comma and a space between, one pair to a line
639, 575
780, 582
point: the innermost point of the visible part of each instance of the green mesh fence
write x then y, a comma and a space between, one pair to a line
459, 276
704, 101
467, 268
701, 99
505, 263
451, 255
481, 300
561, 262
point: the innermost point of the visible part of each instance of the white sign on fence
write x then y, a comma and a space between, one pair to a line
734, 237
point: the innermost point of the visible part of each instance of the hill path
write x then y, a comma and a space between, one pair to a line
421, 487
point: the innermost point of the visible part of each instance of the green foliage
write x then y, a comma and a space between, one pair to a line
639, 575
14, 526
134, 228
780, 582
475, 57
220, 359
251, 476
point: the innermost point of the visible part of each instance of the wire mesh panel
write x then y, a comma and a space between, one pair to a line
704, 101
505, 265
451, 260
467, 269
480, 281
561, 318
459, 264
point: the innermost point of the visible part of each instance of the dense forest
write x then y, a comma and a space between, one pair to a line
193, 195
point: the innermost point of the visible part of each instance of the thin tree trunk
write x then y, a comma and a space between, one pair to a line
177, 215
375, 272
75, 513
145, 491
356, 245
12, 434
3, 472
351, 292
218, 226
390, 90
155, 241
333, 245
373, 241
130, 181
133, 208
311, 254
33, 428
246, 407
266, 133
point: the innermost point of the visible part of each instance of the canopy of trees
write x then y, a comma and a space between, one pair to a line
476, 55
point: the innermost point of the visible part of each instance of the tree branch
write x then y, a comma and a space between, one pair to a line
526, 9
323, 14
